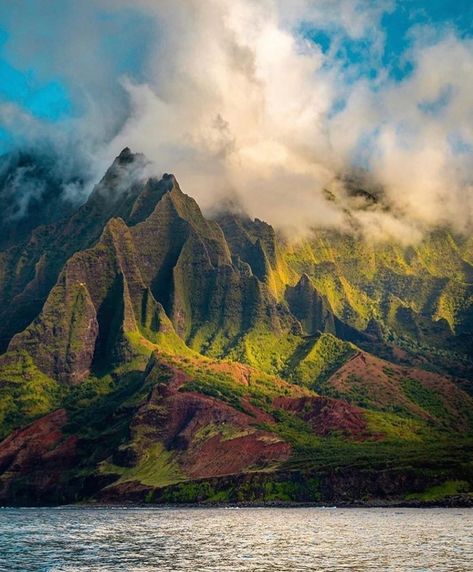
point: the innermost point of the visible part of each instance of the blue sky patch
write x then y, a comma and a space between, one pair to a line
48, 100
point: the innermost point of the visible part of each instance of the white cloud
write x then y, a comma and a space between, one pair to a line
238, 104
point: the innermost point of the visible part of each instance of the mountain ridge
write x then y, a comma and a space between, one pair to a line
161, 346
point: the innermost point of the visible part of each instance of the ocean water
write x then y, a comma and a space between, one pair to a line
234, 540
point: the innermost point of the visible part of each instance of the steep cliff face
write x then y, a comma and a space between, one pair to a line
310, 308
30, 267
174, 264
177, 349
421, 295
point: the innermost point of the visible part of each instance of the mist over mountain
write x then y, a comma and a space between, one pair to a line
36, 188
267, 104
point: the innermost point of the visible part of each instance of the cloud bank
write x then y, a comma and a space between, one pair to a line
244, 102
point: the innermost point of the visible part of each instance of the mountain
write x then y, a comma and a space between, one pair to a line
151, 354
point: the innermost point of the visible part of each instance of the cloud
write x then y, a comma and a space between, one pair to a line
423, 135
236, 104
241, 102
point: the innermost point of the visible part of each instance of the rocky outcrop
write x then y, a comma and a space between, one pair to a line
33, 460
310, 308
328, 416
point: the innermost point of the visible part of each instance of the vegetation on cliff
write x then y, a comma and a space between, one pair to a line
195, 359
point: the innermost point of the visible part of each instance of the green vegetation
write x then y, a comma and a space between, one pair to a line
313, 362
25, 392
292, 491
219, 387
421, 295
225, 431
269, 489
265, 350
193, 492
164, 301
443, 491
156, 467
426, 398
222, 381
442, 455
397, 428
295, 431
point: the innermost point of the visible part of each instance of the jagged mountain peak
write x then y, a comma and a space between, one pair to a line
261, 349
125, 156
125, 174
127, 189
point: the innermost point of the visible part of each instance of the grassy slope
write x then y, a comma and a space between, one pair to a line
404, 440
363, 281
25, 392
102, 408
412, 426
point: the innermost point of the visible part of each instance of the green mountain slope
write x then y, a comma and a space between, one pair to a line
152, 354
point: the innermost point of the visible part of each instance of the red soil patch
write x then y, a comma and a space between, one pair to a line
327, 416
40, 449
239, 372
259, 416
209, 437
175, 376
381, 383
35, 440
217, 457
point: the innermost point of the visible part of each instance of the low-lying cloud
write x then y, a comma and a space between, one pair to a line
243, 105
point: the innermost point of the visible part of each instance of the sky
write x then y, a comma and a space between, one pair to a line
267, 104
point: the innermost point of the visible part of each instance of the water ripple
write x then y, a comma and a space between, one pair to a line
256, 540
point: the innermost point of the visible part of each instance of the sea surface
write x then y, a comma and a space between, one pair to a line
235, 539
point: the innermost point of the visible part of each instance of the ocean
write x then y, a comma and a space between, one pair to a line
235, 539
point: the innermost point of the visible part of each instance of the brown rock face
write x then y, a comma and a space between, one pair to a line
327, 416
33, 459
207, 436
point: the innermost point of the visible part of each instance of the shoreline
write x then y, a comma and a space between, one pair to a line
452, 503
